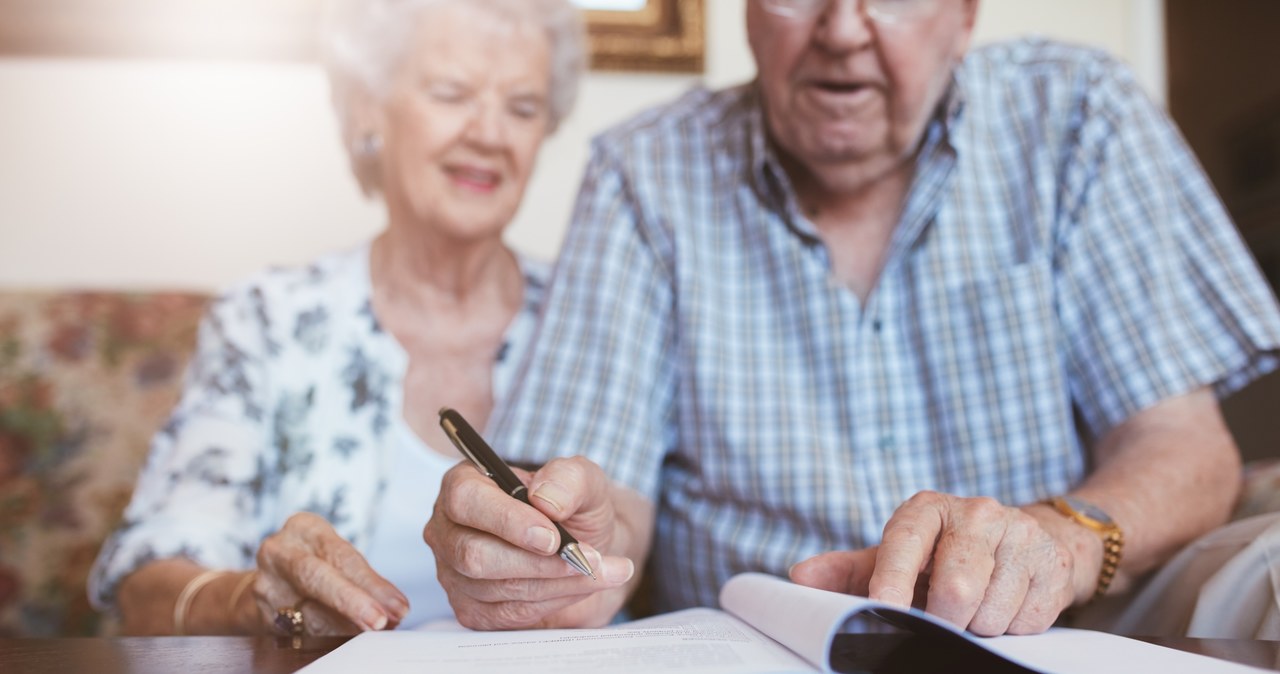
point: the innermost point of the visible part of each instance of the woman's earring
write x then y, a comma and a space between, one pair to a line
369, 145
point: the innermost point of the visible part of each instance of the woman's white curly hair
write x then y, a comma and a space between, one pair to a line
362, 42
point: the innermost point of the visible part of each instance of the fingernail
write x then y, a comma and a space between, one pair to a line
594, 558
553, 494
541, 538
374, 619
617, 570
394, 602
399, 608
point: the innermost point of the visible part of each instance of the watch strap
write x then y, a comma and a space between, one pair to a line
1112, 539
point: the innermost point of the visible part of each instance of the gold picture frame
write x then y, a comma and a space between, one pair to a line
662, 36
650, 35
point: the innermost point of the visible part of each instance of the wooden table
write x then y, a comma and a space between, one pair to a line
1265, 654
272, 655
162, 655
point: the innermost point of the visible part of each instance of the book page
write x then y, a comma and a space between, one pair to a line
694, 641
1089, 652
801, 618
808, 621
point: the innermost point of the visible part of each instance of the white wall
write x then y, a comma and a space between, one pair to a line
1130, 29
147, 174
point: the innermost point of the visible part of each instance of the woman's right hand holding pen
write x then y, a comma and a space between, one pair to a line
496, 557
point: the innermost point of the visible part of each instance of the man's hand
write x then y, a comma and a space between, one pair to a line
976, 563
307, 565
1167, 474
497, 557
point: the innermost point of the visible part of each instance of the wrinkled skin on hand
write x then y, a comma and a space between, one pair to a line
306, 564
497, 557
980, 565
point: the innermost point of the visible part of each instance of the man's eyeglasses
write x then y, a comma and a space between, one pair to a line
885, 11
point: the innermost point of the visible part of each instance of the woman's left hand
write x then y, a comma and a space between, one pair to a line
307, 566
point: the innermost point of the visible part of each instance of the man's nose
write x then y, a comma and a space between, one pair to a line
843, 25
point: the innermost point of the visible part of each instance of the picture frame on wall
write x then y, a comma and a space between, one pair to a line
647, 35
632, 35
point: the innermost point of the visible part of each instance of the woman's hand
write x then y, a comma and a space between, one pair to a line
306, 565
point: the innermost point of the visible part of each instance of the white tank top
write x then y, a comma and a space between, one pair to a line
397, 551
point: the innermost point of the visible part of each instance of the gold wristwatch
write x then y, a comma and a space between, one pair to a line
1092, 517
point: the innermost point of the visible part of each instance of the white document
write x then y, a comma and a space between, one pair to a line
768, 626
696, 641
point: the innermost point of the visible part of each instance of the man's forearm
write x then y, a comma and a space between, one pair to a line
1167, 475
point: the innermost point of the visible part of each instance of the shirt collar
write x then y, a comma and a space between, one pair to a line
771, 182
766, 171
951, 109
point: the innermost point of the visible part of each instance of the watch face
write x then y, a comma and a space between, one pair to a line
1087, 509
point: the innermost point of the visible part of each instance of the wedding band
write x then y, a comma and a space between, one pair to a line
289, 620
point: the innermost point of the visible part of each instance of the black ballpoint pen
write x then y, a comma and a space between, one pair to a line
469, 442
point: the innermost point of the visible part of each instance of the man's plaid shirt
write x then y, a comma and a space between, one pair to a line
1061, 264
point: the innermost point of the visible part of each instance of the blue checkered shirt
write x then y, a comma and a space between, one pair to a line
1061, 264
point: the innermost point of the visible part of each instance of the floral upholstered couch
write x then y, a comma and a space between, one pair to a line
85, 380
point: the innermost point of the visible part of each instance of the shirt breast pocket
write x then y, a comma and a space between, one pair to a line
998, 396
1003, 321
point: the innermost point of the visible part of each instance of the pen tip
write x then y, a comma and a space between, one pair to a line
573, 555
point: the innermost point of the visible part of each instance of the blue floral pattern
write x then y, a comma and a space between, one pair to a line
287, 407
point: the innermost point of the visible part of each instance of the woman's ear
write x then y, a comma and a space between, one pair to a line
363, 135
365, 120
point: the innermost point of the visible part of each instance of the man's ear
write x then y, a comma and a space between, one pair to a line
971, 13
969, 19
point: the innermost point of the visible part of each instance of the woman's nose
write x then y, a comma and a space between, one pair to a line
486, 127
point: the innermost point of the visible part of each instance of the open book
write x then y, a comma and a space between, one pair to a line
768, 626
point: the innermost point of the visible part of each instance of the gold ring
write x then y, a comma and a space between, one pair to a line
289, 620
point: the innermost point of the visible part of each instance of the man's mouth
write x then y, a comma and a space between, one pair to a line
837, 87
840, 97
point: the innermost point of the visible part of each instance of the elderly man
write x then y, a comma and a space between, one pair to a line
930, 327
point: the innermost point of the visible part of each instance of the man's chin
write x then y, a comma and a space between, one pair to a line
848, 171
830, 155
841, 142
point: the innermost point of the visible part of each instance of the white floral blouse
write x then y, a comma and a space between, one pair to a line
288, 406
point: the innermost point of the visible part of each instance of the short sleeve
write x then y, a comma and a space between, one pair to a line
200, 494
598, 379
1157, 293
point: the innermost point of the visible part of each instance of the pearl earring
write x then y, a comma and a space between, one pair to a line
368, 145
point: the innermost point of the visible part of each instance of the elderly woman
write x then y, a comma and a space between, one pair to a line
290, 488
